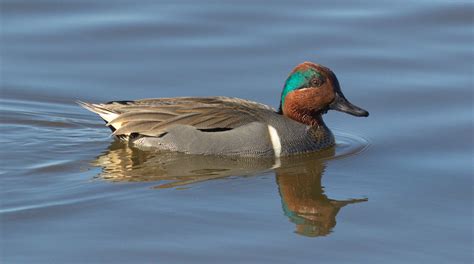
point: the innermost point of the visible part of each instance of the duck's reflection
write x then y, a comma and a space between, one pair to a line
298, 179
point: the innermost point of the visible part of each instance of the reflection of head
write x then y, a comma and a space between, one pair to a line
307, 224
315, 219
311, 211
303, 200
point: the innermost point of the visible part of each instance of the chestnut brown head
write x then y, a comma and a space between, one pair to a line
311, 90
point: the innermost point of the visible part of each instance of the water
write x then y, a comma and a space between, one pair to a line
398, 190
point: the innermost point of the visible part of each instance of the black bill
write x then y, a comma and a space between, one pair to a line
340, 103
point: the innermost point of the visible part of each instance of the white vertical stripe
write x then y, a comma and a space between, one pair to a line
275, 140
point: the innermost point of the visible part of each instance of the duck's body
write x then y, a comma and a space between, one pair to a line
232, 126
212, 125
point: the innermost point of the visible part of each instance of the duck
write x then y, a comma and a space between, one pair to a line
231, 126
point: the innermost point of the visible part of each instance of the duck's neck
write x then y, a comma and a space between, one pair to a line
302, 115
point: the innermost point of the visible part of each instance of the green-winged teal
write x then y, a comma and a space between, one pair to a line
233, 126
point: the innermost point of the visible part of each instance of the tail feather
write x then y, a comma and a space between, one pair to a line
100, 109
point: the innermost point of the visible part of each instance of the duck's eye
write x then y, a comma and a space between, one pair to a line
316, 82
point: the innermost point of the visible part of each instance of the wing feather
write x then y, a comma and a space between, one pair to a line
152, 117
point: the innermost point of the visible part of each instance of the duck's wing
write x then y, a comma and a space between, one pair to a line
152, 117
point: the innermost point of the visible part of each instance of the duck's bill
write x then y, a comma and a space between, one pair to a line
341, 104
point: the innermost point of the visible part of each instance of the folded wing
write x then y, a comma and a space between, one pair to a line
152, 117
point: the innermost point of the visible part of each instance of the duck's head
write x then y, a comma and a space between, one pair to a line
310, 91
